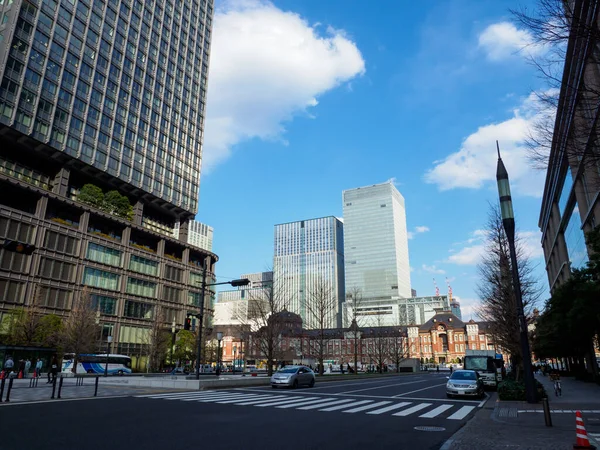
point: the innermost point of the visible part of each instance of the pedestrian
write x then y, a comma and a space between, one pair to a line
38, 368
437, 368
54, 368
27, 368
451, 369
342, 368
8, 365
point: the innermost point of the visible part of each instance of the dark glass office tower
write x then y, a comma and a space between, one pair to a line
109, 93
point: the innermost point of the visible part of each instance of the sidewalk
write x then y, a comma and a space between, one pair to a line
519, 425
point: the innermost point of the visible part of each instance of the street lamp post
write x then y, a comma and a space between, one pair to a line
173, 333
219, 339
108, 341
200, 315
234, 352
508, 222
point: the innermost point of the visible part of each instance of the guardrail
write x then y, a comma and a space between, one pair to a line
57, 381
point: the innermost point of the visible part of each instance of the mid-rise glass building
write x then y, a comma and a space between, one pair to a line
308, 269
376, 242
108, 93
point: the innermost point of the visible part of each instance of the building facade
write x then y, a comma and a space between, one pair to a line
234, 307
200, 235
570, 201
395, 312
444, 338
110, 94
308, 268
376, 243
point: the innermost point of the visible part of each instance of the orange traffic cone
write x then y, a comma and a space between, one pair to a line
582, 441
20, 375
1, 374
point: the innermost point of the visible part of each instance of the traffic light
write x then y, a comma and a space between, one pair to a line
187, 324
18, 247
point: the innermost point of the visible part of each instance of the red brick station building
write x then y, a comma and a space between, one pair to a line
442, 339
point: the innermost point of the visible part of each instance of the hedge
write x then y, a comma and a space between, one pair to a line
515, 390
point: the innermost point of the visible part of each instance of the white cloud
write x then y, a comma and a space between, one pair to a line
474, 249
474, 165
432, 269
467, 256
468, 308
502, 40
267, 66
417, 230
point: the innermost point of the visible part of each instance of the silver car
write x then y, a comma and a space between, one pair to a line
464, 382
293, 376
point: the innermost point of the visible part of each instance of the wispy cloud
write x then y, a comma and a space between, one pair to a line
268, 65
417, 230
432, 269
473, 248
500, 41
473, 166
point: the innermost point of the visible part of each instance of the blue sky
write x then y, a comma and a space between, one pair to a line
308, 98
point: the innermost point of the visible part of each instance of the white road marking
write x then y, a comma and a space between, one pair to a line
436, 411
335, 408
419, 390
461, 413
382, 387
248, 397
389, 408
304, 402
414, 409
320, 405
279, 402
216, 399
255, 401
364, 408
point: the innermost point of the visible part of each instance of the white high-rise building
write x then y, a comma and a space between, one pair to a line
376, 243
309, 254
199, 234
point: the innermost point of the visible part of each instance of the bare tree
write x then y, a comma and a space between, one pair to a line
398, 346
265, 308
556, 29
378, 343
498, 304
80, 332
354, 300
321, 310
157, 340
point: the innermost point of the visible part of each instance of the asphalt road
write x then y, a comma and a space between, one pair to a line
360, 414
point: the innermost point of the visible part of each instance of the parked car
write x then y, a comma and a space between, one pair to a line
293, 376
466, 383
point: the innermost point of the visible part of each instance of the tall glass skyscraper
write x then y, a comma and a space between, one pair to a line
102, 106
309, 257
376, 242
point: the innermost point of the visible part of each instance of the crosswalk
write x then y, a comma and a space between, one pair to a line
321, 403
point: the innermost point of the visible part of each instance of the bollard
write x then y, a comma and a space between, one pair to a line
547, 417
60, 383
96, 389
53, 386
2, 388
10, 383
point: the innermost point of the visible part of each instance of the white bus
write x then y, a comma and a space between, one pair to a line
96, 363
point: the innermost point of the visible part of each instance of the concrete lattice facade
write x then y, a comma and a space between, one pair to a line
110, 93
